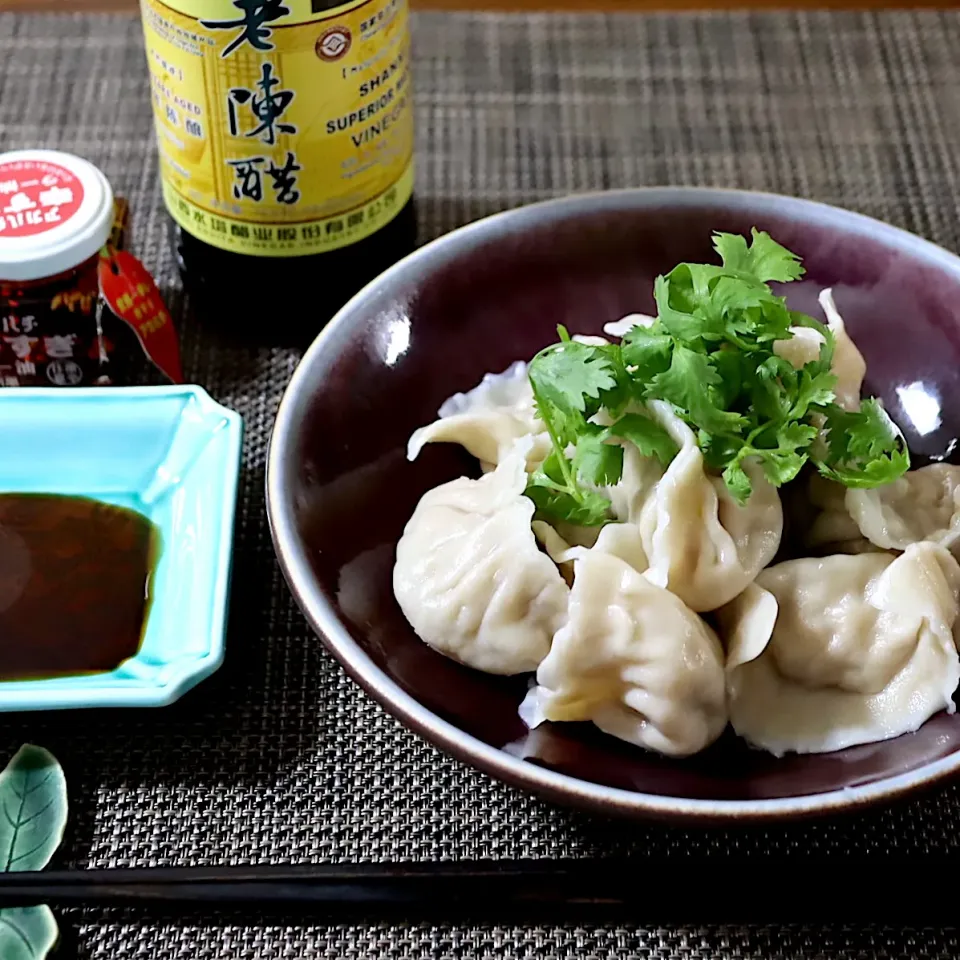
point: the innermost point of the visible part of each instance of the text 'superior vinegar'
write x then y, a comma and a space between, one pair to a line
75, 585
285, 130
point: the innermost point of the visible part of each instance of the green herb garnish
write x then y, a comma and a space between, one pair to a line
571, 383
709, 354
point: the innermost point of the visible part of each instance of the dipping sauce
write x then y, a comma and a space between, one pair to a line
75, 585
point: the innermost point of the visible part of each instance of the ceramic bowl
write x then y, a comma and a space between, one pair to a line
340, 488
169, 453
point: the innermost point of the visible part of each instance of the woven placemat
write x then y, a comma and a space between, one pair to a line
280, 758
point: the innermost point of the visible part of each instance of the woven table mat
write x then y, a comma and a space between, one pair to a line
279, 758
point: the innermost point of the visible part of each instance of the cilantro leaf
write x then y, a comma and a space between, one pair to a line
772, 385
871, 431
764, 259
876, 473
733, 367
737, 482
735, 293
616, 398
796, 436
773, 322
647, 350
570, 376
647, 436
783, 462
815, 388
718, 451
589, 510
684, 325
686, 384
597, 462
864, 447
569, 381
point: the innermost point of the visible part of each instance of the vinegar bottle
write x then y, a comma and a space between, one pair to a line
285, 132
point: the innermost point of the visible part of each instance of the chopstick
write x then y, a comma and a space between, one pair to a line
723, 890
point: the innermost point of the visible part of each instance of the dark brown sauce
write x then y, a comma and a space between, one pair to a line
75, 583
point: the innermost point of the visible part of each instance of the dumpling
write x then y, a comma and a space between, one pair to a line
831, 529
633, 660
617, 539
848, 364
491, 417
488, 420
639, 480
923, 504
627, 497
620, 328
470, 578
824, 654
700, 543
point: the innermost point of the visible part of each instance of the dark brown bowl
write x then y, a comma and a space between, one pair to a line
340, 489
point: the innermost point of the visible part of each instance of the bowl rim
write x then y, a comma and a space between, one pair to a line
322, 617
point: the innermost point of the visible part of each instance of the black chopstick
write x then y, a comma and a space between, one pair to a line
651, 890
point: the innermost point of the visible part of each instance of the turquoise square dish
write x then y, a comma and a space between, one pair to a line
170, 453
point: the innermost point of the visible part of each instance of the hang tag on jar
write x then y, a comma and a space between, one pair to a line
132, 295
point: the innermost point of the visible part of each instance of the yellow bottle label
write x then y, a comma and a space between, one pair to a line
285, 127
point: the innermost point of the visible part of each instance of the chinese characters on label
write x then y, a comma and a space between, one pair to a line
35, 197
249, 184
267, 108
308, 119
256, 13
55, 331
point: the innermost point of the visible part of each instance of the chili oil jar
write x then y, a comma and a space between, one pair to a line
56, 213
285, 130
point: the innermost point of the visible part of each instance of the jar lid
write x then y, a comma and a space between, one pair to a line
56, 211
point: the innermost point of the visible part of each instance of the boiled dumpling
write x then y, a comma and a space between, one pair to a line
488, 420
620, 328
848, 365
700, 543
639, 480
832, 529
923, 504
491, 417
633, 660
618, 539
823, 654
627, 497
470, 578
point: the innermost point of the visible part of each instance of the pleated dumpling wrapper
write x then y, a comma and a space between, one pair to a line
632, 659
848, 364
488, 420
824, 654
470, 577
828, 527
700, 543
921, 505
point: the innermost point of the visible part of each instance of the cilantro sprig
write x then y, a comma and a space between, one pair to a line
571, 382
710, 354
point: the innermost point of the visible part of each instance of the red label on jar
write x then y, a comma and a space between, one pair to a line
132, 295
36, 196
